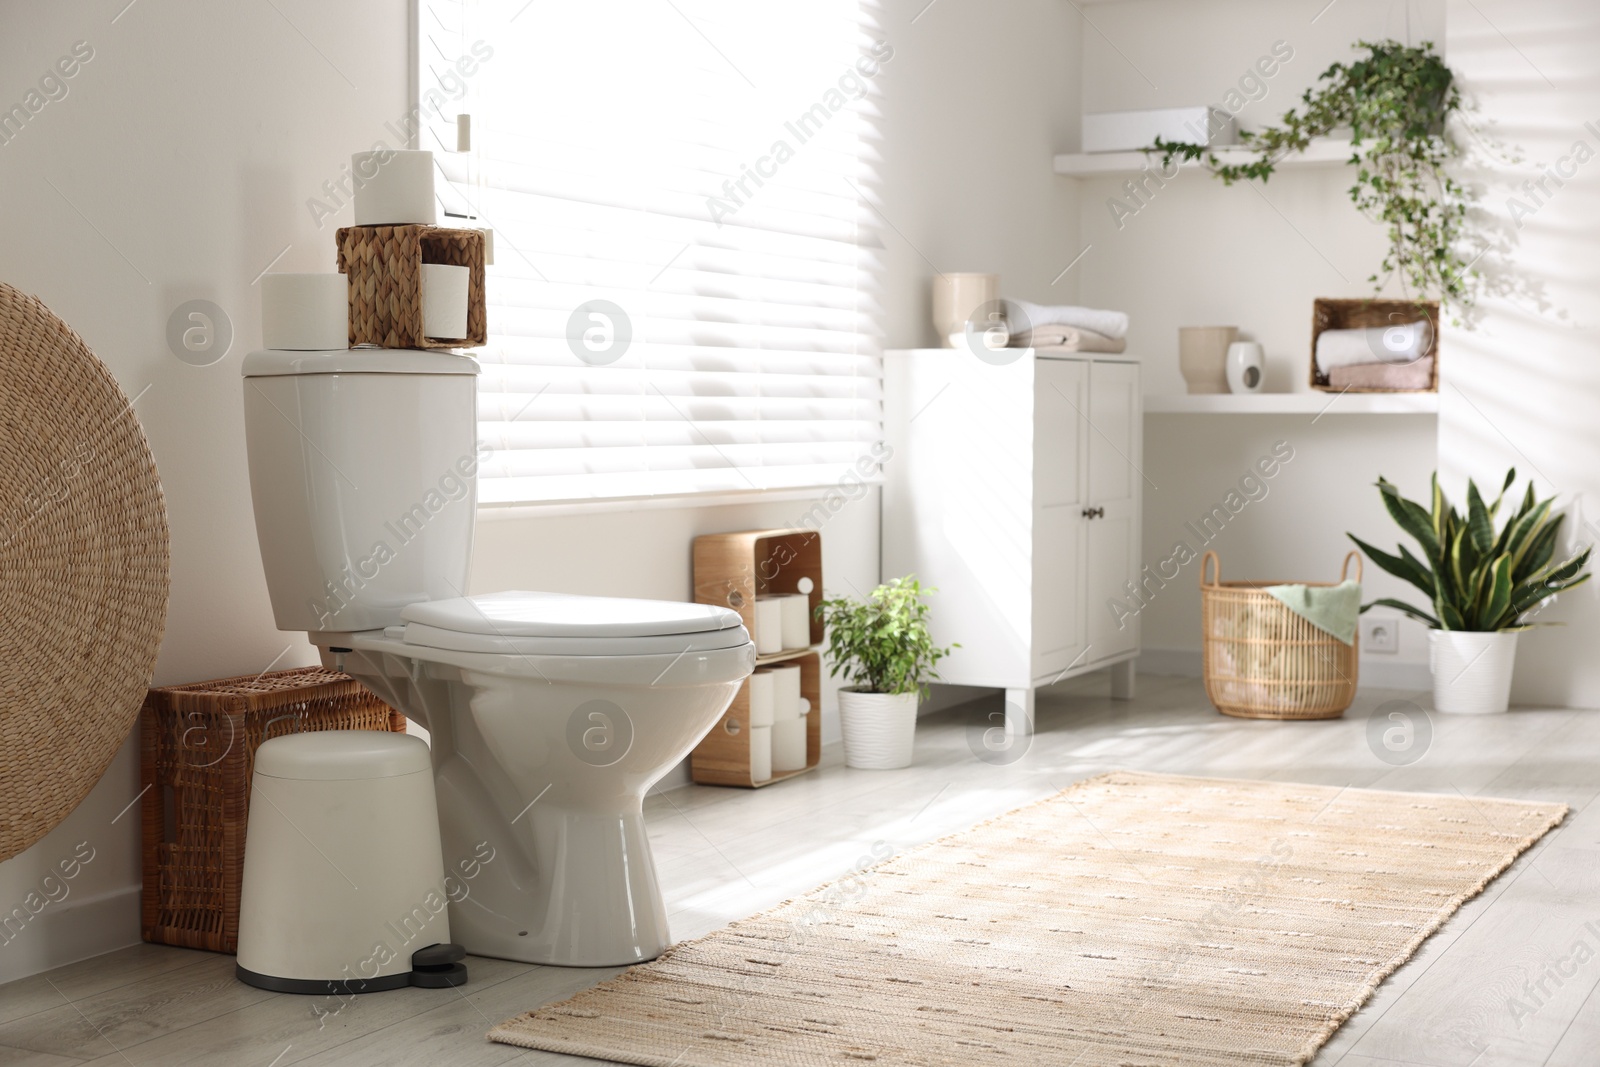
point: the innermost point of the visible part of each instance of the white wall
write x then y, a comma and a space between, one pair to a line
1197, 252
977, 100
181, 159
1523, 390
188, 159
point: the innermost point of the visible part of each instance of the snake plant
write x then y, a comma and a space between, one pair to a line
1475, 577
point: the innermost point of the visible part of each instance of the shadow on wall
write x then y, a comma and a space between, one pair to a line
1522, 389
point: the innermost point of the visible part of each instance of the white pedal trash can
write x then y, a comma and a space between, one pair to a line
344, 887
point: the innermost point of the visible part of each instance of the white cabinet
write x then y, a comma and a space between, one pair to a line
1014, 488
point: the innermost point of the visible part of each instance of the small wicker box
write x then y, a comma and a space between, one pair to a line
197, 747
1361, 314
385, 268
1263, 661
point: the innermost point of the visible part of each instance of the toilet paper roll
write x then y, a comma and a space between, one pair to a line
796, 620
305, 312
444, 300
760, 753
788, 745
785, 693
394, 188
769, 625
761, 698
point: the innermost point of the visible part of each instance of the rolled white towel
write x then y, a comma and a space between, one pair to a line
1401, 343
1021, 315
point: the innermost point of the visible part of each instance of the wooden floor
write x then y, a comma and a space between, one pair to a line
726, 853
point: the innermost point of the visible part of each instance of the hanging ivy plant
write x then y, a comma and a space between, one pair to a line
1396, 101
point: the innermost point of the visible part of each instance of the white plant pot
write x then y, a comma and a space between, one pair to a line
879, 728
1471, 671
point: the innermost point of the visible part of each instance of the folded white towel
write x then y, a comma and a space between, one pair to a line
1401, 343
1067, 339
1025, 316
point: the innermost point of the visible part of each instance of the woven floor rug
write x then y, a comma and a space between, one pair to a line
1131, 920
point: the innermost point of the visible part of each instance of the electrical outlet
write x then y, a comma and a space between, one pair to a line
1380, 634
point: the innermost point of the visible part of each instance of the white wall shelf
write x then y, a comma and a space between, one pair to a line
1322, 153
1293, 404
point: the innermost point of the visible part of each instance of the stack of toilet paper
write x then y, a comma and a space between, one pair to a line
777, 721
783, 622
311, 312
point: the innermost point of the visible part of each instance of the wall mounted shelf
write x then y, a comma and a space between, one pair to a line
1313, 404
1126, 164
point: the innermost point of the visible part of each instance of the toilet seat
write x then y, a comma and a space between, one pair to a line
558, 624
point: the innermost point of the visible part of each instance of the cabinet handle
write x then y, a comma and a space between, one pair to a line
1094, 513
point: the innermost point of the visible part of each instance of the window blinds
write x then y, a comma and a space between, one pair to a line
681, 297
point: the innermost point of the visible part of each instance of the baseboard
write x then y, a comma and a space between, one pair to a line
1376, 673
73, 930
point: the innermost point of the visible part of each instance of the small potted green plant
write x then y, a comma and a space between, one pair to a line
882, 647
1480, 582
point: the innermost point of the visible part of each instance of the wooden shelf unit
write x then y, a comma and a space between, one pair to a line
731, 570
723, 755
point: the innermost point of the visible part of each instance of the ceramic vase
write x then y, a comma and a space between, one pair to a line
1246, 367
957, 299
1203, 356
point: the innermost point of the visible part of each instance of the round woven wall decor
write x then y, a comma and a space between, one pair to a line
83, 569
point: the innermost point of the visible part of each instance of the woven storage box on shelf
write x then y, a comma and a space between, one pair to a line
197, 747
1262, 661
1362, 314
384, 264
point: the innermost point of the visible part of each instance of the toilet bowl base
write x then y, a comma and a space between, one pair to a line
589, 898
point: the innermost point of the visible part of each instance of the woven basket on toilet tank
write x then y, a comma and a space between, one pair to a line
1262, 661
197, 751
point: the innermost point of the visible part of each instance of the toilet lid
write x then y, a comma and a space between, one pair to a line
561, 624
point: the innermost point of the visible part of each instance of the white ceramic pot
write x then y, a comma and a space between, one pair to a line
879, 728
1471, 671
1247, 367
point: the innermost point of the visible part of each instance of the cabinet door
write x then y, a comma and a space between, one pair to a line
1061, 399
1115, 484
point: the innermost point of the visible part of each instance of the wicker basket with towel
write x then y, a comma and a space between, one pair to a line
1276, 651
1375, 346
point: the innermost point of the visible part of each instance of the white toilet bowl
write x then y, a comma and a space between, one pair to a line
545, 735
549, 715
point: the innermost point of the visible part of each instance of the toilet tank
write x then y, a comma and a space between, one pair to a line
363, 471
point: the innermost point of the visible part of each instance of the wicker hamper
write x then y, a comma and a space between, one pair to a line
197, 746
1262, 661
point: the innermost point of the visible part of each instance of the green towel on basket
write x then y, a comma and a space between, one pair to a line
1334, 609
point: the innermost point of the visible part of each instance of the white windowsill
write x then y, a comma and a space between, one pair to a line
554, 508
